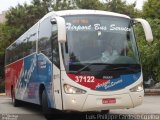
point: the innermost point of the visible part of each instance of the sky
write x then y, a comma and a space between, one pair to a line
6, 4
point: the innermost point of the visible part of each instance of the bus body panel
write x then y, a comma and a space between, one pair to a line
94, 103
92, 100
12, 73
122, 101
105, 84
45, 77
26, 76
26, 85
56, 88
137, 98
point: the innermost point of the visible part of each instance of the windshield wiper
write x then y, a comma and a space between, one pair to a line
110, 69
88, 66
123, 68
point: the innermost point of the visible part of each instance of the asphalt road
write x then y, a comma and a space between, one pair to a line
150, 109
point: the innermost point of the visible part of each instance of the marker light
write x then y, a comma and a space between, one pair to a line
73, 90
137, 88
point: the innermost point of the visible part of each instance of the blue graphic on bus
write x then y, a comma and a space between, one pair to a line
119, 83
37, 69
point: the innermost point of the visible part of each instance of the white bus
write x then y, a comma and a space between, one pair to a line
77, 60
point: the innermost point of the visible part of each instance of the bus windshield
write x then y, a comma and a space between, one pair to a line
99, 39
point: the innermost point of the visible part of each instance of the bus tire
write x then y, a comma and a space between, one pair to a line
15, 102
45, 109
105, 111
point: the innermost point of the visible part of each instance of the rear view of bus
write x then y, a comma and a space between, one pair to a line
102, 69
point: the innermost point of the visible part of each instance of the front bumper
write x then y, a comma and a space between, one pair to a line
94, 102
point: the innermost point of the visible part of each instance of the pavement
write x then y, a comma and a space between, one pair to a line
147, 111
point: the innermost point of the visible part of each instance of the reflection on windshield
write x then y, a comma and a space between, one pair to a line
99, 39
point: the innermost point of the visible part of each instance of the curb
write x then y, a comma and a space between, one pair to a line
152, 91
2, 94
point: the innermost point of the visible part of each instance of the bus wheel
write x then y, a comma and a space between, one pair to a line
45, 109
15, 102
105, 111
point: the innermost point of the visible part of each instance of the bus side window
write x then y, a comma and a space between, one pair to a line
8, 56
31, 40
55, 48
44, 42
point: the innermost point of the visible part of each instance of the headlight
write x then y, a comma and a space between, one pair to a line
137, 88
73, 90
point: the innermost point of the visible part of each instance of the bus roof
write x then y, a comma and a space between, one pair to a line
83, 12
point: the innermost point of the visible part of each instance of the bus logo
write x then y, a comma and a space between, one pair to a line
107, 77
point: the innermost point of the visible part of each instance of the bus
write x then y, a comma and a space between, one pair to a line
77, 60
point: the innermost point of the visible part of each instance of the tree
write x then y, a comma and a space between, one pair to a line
120, 6
63, 5
90, 4
151, 53
3, 44
5, 32
151, 9
22, 17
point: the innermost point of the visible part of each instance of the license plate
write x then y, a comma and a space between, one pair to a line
108, 100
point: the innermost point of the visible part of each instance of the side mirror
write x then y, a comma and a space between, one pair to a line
147, 29
61, 26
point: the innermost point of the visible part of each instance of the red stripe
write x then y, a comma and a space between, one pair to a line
89, 83
12, 73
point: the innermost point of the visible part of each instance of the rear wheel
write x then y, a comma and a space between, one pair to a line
105, 111
15, 102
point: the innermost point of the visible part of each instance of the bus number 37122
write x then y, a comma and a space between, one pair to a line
89, 79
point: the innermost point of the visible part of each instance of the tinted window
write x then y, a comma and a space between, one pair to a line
23, 46
48, 43
44, 43
31, 40
55, 52
97, 39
